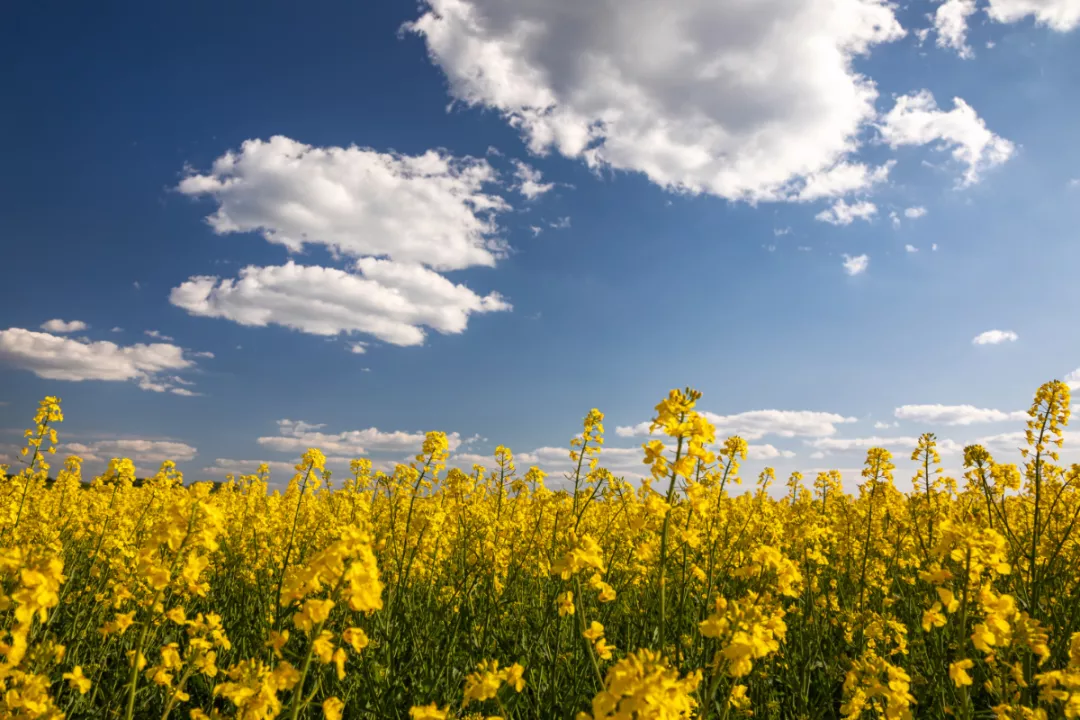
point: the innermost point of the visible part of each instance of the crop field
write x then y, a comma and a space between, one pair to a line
436, 593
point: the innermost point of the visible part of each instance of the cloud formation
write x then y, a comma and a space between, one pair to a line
61, 326
61, 358
142, 452
428, 209
406, 219
389, 300
756, 424
916, 120
995, 337
746, 101
297, 436
955, 414
841, 213
856, 265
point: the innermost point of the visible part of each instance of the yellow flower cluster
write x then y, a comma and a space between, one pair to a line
389, 595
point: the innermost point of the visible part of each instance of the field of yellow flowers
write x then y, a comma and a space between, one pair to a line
434, 594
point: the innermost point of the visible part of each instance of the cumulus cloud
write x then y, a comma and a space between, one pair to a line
950, 22
835, 444
622, 462
756, 424
856, 265
222, 466
900, 445
1013, 441
842, 179
917, 120
1073, 379
428, 209
297, 436
140, 451
841, 213
995, 337
914, 212
60, 358
767, 452
951, 18
528, 181
746, 101
955, 414
1059, 15
61, 326
390, 300
911, 248
405, 217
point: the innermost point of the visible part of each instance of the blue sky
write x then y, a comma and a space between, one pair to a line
783, 205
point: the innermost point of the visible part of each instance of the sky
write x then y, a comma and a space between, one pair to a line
234, 231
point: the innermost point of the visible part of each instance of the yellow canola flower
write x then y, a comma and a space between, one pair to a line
427, 712
958, 672
332, 708
77, 680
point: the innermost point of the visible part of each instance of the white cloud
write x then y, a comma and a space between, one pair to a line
392, 301
560, 224
916, 120
117, 329
622, 462
911, 249
933, 248
950, 21
767, 452
995, 337
1073, 379
781, 231
914, 212
895, 219
142, 452
856, 265
278, 468
1013, 441
843, 179
881, 425
358, 348
60, 326
955, 414
428, 209
951, 18
405, 217
1059, 15
756, 424
843, 214
296, 437
60, 358
833, 444
529, 178
157, 335
740, 100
